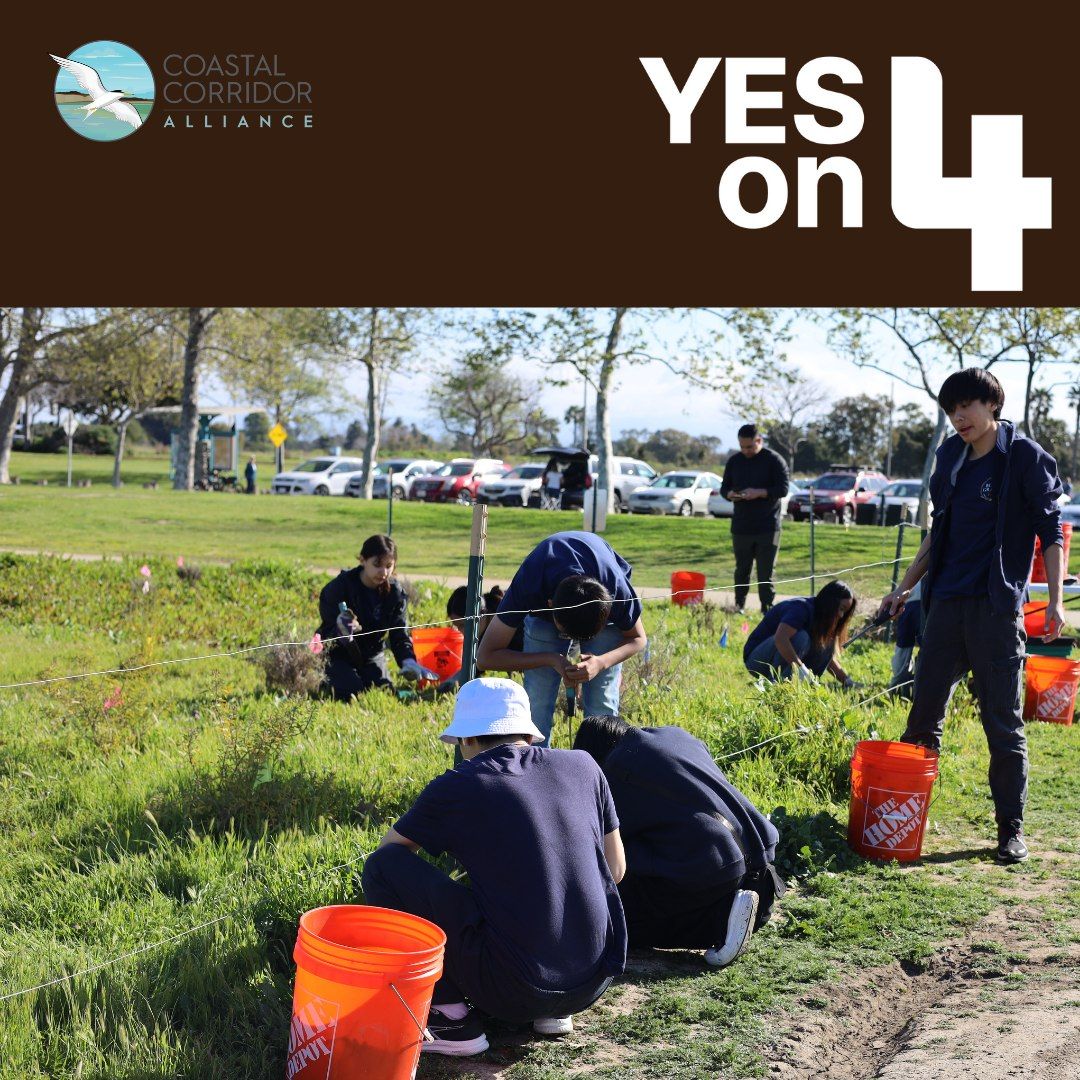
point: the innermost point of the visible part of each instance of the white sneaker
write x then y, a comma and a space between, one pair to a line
554, 1025
740, 926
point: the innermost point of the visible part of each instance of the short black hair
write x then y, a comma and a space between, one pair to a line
971, 384
587, 604
748, 431
488, 741
597, 736
457, 604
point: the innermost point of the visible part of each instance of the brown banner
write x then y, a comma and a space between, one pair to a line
496, 154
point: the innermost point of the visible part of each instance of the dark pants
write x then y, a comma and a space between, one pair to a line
761, 547
766, 659
475, 965
347, 679
663, 915
964, 635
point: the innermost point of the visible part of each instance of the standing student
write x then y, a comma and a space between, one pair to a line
801, 636
552, 486
539, 932
588, 584
377, 609
755, 480
699, 854
993, 491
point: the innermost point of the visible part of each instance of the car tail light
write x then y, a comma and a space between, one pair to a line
588, 480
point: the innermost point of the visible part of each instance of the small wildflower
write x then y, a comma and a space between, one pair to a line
316, 644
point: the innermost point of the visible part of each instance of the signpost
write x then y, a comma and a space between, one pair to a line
70, 425
277, 435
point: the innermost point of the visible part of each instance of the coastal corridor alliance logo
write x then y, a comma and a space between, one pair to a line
104, 90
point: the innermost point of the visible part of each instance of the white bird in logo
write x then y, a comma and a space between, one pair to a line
100, 98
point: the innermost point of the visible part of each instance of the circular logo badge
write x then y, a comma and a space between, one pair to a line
104, 90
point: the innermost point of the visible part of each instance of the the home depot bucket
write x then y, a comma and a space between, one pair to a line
1050, 689
347, 1020
890, 794
439, 648
1038, 567
687, 587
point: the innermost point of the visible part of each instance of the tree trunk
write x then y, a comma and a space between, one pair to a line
1076, 443
928, 467
198, 318
374, 410
1027, 395
603, 417
29, 328
121, 437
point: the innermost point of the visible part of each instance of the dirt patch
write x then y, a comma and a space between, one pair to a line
991, 1006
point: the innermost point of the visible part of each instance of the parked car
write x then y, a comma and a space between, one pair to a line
457, 481
404, 472
515, 488
903, 493
1070, 511
627, 475
681, 492
319, 476
838, 492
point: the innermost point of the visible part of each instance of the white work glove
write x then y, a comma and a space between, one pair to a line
805, 673
413, 671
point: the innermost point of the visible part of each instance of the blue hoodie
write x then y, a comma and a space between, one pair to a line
1027, 509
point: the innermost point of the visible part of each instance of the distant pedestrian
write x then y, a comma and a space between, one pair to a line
250, 473
755, 480
552, 486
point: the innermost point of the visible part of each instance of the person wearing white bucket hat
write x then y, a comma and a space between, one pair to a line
540, 933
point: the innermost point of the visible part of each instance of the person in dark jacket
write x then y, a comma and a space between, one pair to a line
993, 492
376, 608
755, 480
699, 855
251, 471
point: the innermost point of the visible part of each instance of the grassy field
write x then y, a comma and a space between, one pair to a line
134, 808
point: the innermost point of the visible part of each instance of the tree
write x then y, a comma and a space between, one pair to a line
197, 320
256, 431
1074, 401
130, 363
712, 349
575, 417
912, 432
856, 430
381, 341
787, 410
919, 345
670, 447
30, 340
483, 404
1048, 431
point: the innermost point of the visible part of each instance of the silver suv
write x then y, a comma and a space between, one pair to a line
404, 472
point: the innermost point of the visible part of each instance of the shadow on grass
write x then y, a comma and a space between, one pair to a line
983, 854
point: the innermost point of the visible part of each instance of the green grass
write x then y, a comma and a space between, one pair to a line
433, 540
116, 830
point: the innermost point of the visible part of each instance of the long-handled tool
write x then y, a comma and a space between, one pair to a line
876, 623
573, 698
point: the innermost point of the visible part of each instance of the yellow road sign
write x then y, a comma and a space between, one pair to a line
278, 434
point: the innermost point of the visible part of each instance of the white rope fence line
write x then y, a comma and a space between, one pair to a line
419, 626
801, 729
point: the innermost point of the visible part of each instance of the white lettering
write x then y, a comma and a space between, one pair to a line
808, 84
680, 104
738, 100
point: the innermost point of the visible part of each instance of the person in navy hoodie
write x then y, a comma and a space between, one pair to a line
993, 491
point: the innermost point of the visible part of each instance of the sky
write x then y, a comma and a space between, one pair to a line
649, 396
120, 68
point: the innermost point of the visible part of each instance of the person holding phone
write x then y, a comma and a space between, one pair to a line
755, 480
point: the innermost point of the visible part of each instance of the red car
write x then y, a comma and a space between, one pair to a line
837, 493
457, 481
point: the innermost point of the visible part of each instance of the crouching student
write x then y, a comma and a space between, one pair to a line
587, 583
699, 855
377, 609
540, 933
801, 636
457, 611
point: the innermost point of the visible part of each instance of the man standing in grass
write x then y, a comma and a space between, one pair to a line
755, 480
993, 492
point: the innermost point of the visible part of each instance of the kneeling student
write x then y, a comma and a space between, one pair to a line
699, 854
540, 933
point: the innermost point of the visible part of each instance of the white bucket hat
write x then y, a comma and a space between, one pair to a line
492, 707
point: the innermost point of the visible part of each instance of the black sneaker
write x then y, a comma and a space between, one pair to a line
1011, 846
766, 608
456, 1038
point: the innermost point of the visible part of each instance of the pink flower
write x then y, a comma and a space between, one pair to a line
144, 570
180, 561
315, 644
146, 586
112, 700
745, 626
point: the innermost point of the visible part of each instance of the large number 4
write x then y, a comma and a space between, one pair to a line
997, 202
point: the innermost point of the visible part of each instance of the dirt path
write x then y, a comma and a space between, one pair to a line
1002, 1003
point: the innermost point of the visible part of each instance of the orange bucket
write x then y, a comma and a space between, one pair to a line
439, 648
687, 587
890, 794
347, 1021
1035, 617
1050, 689
1038, 567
